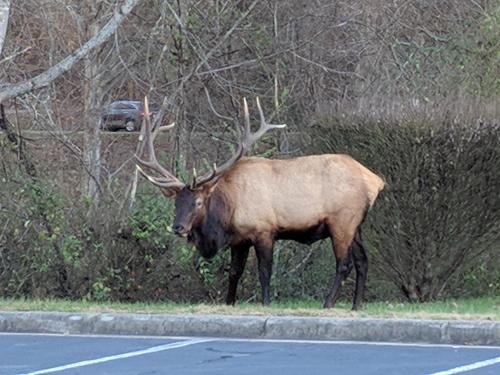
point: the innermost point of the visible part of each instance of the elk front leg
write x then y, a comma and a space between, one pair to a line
239, 255
264, 251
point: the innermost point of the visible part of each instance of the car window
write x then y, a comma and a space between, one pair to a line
122, 106
152, 106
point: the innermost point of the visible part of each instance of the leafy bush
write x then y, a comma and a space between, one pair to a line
50, 248
37, 254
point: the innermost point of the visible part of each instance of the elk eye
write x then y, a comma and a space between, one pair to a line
199, 203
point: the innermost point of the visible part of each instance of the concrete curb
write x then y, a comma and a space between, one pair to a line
455, 332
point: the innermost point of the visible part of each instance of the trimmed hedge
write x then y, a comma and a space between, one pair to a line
438, 218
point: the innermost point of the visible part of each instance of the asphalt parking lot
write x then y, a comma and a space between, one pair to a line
79, 354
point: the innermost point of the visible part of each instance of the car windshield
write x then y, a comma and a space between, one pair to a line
154, 107
121, 105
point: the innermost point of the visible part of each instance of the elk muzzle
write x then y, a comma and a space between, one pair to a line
180, 230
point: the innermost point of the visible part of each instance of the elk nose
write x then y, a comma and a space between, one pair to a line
178, 229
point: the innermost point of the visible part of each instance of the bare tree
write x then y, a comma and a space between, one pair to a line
95, 35
41, 80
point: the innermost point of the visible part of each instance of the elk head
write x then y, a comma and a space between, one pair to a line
199, 212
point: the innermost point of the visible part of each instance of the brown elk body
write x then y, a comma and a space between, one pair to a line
256, 201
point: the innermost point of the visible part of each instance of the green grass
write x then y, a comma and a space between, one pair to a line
479, 308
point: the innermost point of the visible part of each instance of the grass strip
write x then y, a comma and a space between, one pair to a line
485, 308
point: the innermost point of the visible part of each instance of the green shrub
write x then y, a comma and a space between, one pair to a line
49, 247
34, 250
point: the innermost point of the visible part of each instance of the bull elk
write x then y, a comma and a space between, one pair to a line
254, 201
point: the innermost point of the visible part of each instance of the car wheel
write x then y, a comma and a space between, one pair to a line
129, 125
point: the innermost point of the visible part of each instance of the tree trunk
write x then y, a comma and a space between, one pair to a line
4, 21
92, 131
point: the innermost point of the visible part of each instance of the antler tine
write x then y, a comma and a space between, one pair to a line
158, 181
264, 126
195, 176
248, 130
168, 180
244, 145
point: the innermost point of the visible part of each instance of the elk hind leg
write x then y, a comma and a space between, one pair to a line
344, 267
239, 255
360, 257
343, 255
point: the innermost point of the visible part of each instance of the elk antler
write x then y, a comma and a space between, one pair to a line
244, 145
167, 179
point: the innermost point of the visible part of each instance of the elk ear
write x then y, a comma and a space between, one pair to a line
208, 187
170, 192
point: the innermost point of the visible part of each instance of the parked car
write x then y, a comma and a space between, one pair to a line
125, 115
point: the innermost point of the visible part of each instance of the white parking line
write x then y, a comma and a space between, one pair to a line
368, 343
472, 366
290, 341
153, 349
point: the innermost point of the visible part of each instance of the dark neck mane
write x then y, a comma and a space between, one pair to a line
214, 232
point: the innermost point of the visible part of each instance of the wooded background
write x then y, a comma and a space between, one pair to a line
411, 88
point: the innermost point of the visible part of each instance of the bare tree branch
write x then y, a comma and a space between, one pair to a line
45, 78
